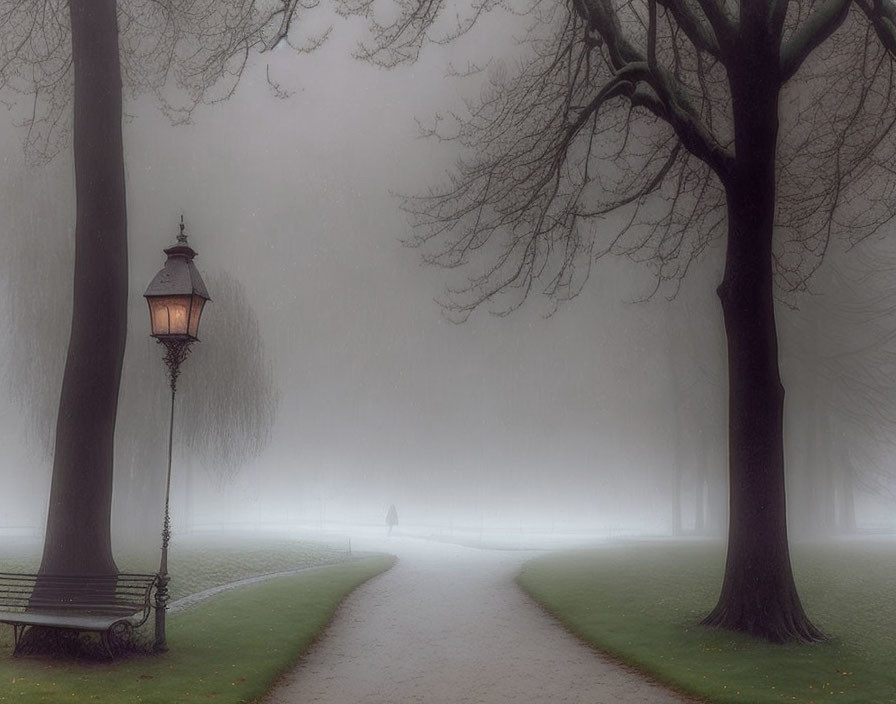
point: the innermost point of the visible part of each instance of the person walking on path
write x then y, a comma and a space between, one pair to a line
391, 518
449, 625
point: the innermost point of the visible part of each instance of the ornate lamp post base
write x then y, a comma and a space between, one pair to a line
161, 604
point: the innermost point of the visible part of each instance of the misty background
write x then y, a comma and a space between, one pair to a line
607, 415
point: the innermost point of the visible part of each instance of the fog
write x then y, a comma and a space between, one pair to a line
603, 418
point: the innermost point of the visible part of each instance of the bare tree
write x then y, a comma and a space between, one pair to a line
184, 53
841, 338
229, 401
648, 129
694, 355
226, 409
81, 490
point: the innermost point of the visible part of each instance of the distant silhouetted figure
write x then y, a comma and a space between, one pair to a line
391, 518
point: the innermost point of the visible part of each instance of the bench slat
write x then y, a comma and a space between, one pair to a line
77, 622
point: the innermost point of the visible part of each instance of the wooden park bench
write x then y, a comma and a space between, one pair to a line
110, 605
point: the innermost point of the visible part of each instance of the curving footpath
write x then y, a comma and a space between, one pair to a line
448, 624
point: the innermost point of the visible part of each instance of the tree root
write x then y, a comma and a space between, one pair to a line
784, 628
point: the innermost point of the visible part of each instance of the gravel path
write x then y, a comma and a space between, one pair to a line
448, 624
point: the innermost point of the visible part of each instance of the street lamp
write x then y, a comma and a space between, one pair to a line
176, 298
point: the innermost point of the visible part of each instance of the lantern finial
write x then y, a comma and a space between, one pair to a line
177, 294
182, 237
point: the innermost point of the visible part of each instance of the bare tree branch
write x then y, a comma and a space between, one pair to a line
882, 16
811, 34
700, 34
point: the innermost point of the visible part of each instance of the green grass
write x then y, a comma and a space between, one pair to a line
230, 648
193, 567
642, 603
196, 564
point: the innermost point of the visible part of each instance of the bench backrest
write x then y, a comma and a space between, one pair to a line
124, 593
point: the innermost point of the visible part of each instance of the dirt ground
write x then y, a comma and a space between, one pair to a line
448, 624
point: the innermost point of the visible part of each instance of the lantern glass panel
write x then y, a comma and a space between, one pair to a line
170, 315
195, 314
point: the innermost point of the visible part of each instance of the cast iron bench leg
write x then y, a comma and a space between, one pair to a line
18, 632
104, 638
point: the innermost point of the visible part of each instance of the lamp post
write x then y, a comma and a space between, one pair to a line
176, 297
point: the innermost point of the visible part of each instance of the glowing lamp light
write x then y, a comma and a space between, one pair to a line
175, 314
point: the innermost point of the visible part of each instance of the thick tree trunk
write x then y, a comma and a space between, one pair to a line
78, 538
758, 595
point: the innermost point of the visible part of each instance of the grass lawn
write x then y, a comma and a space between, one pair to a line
230, 648
198, 563
642, 603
